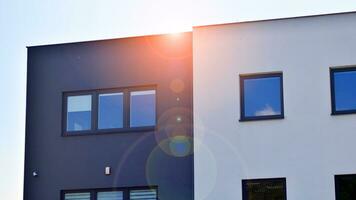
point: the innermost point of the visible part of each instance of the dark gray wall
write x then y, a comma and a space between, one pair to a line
136, 159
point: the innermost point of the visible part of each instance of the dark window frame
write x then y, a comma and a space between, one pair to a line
95, 109
334, 70
336, 182
65, 111
245, 181
94, 192
244, 77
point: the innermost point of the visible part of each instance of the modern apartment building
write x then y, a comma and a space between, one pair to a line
274, 114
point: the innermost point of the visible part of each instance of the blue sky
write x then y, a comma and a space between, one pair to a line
33, 22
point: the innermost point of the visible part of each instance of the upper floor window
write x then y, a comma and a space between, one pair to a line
264, 189
111, 111
143, 108
343, 90
261, 96
345, 186
79, 112
124, 109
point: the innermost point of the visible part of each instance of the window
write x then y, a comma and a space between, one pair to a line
345, 186
115, 195
264, 189
343, 90
79, 113
261, 96
143, 109
142, 193
110, 110
77, 196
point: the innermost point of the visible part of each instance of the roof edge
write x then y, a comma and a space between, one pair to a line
108, 39
276, 19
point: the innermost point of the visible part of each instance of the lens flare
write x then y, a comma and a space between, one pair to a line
170, 46
172, 123
180, 146
177, 86
161, 163
207, 184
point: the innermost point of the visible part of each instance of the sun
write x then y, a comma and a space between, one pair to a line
175, 25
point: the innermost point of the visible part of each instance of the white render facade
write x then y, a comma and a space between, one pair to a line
309, 146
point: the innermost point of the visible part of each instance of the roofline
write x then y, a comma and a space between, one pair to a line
109, 39
276, 19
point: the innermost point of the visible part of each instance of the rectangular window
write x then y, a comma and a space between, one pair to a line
261, 96
109, 110
264, 189
143, 108
343, 90
345, 186
77, 196
113, 195
79, 113
141, 193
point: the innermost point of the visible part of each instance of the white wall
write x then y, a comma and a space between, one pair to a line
309, 146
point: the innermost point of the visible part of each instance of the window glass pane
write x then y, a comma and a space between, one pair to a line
77, 196
346, 187
115, 195
149, 194
264, 190
110, 111
79, 113
143, 108
345, 90
262, 96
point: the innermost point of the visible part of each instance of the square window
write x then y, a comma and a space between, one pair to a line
113, 195
343, 90
345, 186
143, 108
147, 194
77, 196
264, 189
111, 111
79, 113
261, 96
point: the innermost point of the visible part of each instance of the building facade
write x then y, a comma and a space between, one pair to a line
274, 114
265, 114
110, 120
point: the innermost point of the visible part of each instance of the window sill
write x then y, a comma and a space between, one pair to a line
110, 131
344, 112
260, 118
